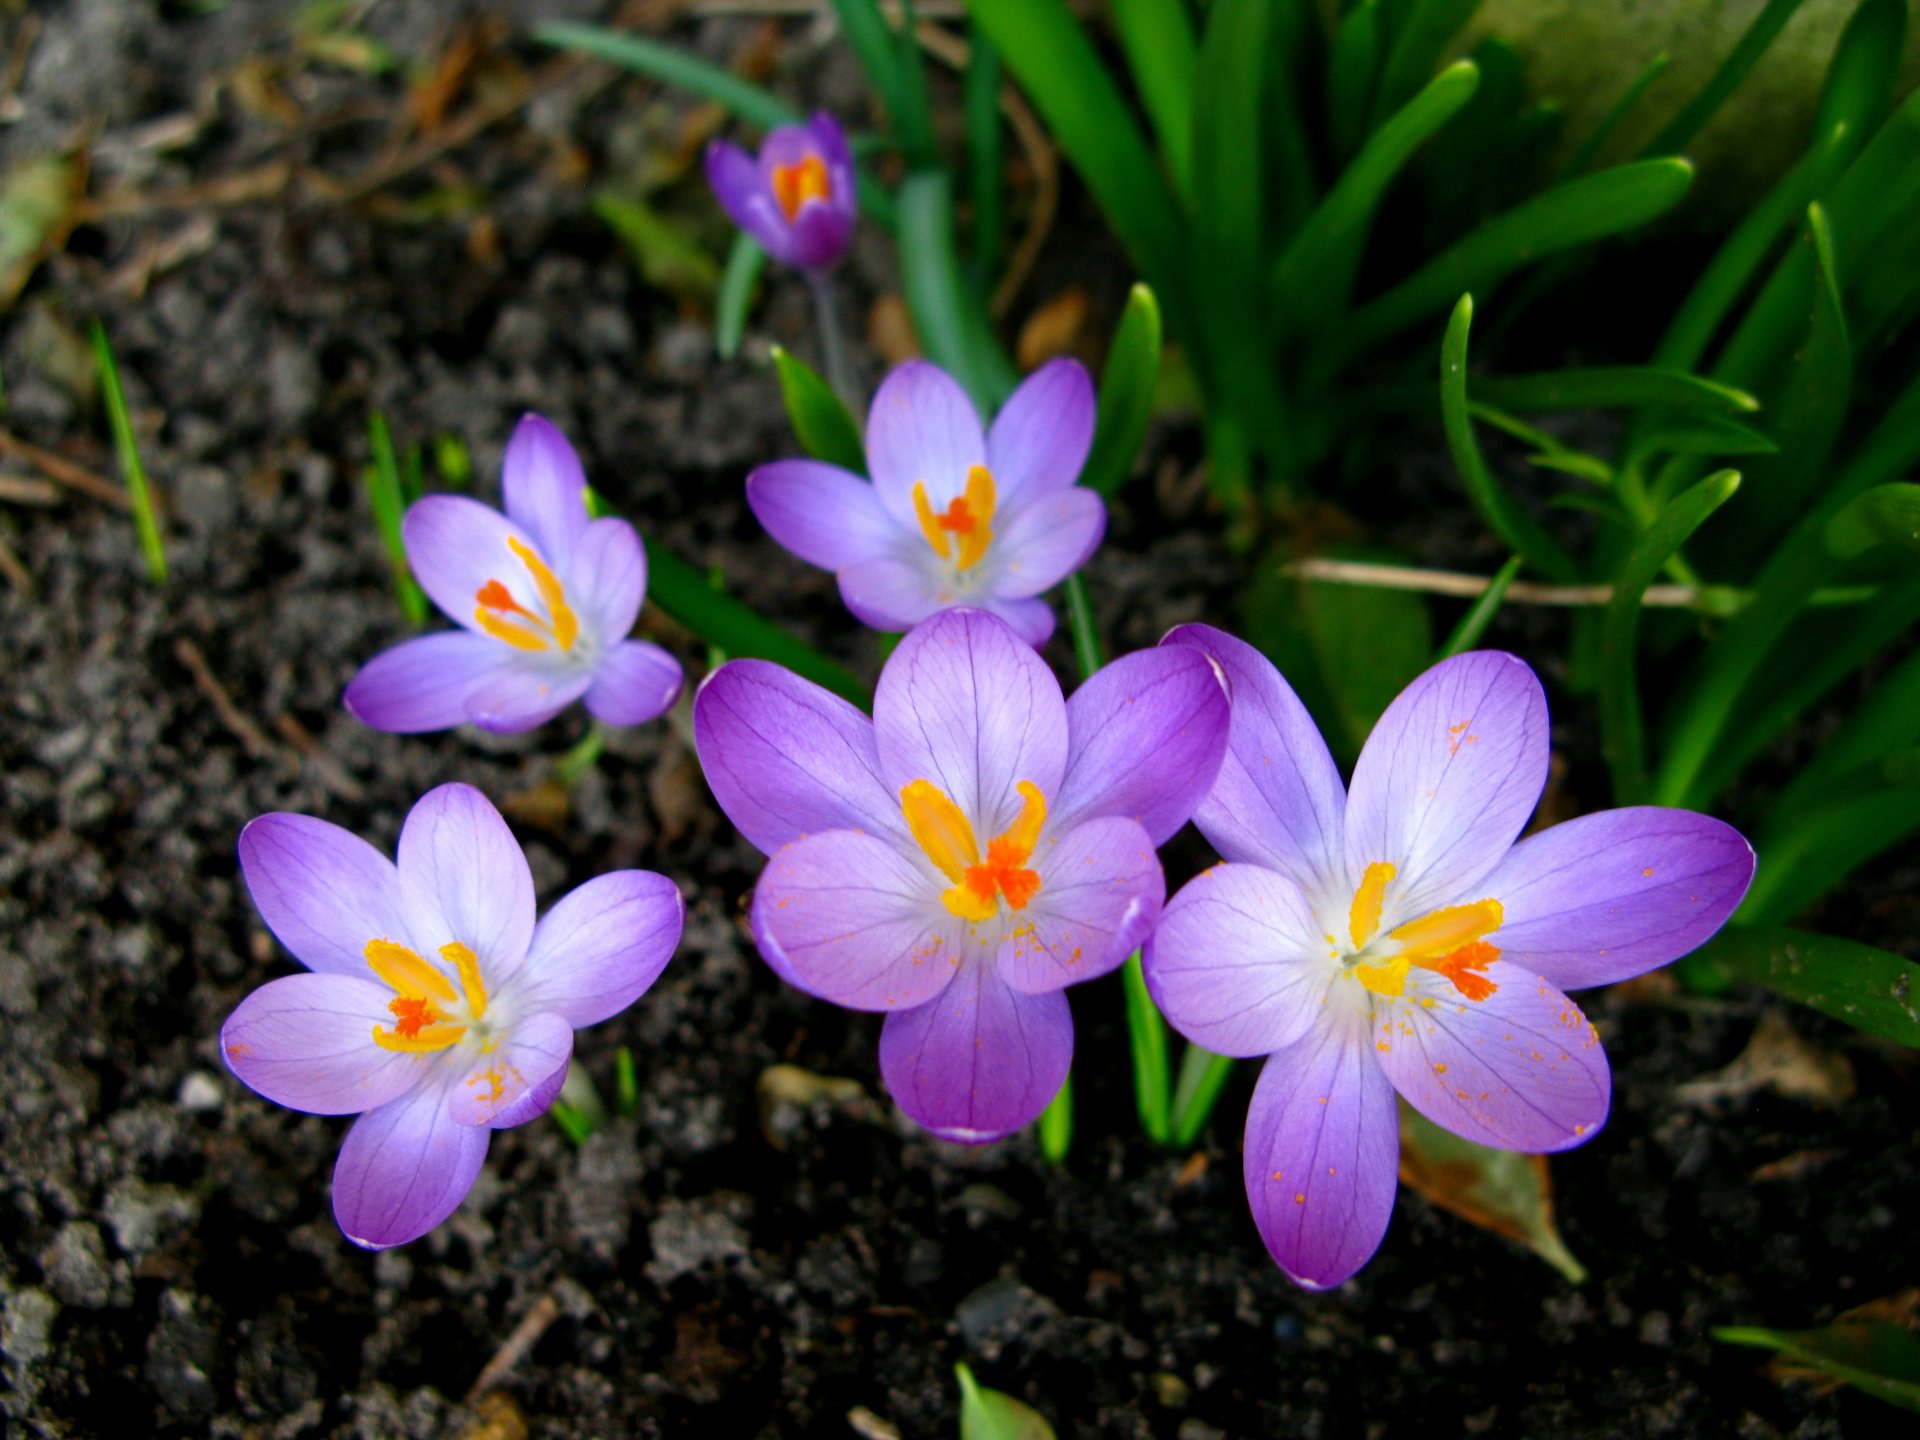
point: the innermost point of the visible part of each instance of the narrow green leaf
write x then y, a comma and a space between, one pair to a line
1886, 720
674, 66
1127, 384
1480, 614
744, 263
1147, 1034
1819, 847
1519, 530
667, 257
821, 421
126, 447
1064, 77
1622, 736
1314, 277
1864, 69
989, 1415
945, 315
1572, 213
1582, 158
877, 48
1678, 132
1705, 435
1866, 988
1056, 1124
626, 1084
1158, 40
986, 162
1624, 387
1881, 1359
1419, 42
1203, 1075
1353, 65
386, 497
915, 115
1885, 515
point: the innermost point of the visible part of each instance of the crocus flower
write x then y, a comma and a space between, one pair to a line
953, 516
545, 597
959, 859
437, 1010
1395, 938
798, 199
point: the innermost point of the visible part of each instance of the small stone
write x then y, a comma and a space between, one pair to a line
200, 1093
1200, 1430
687, 1236
26, 1326
1170, 1390
182, 1352
75, 1265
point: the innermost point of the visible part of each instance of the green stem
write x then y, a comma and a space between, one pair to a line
833, 345
1056, 1123
1203, 1075
1149, 1036
584, 755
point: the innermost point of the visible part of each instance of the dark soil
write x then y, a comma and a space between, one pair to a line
170, 1262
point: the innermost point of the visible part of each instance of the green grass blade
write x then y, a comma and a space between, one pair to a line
945, 314
1885, 721
722, 621
1056, 1124
877, 48
737, 283
1573, 213
146, 522
1162, 53
1147, 1036
1679, 132
1313, 279
1856, 984
1203, 1075
821, 421
674, 66
1508, 519
1622, 733
1480, 614
1864, 70
915, 115
1418, 44
1353, 66
1820, 847
1126, 394
386, 495
1088, 653
1623, 387
626, 1084
1582, 158
1876, 1357
1064, 77
986, 162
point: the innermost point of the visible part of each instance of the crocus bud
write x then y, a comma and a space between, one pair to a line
797, 199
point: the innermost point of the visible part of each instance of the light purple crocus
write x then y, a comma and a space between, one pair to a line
961, 858
953, 515
798, 198
437, 1010
545, 596
1394, 938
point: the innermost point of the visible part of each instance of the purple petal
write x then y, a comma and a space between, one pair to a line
545, 490
306, 1042
784, 758
980, 1061
525, 694
608, 579
1040, 438
518, 1080
1047, 539
456, 546
404, 1168
742, 192
1032, 620
322, 890
426, 683
1237, 963
827, 516
922, 427
465, 879
636, 682
1101, 888
891, 593
1322, 1154
602, 947
1521, 1069
1610, 896
831, 141
1146, 736
967, 704
821, 233
850, 918
1278, 800
1447, 779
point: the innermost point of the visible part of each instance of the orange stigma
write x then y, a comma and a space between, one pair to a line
966, 523
1450, 941
800, 184
557, 630
425, 1000
411, 1015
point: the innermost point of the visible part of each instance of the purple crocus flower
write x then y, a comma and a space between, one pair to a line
545, 596
953, 516
437, 1010
798, 199
1395, 938
959, 859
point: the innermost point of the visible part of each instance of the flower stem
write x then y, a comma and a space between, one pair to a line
833, 345
1203, 1075
1056, 1123
584, 755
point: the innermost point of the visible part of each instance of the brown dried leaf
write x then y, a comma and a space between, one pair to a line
39, 205
1775, 1059
890, 330
1052, 329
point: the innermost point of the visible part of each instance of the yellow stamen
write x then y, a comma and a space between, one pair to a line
1363, 918
431, 1037
530, 632
420, 992
468, 964
946, 835
930, 522
941, 827
1389, 978
797, 185
1445, 931
407, 973
967, 519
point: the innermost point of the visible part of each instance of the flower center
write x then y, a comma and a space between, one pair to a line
946, 835
1449, 941
505, 618
801, 184
428, 1013
962, 531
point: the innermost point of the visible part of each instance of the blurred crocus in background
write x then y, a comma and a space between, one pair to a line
961, 858
436, 1009
1393, 937
955, 514
545, 596
797, 199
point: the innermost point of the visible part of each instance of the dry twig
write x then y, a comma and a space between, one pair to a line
231, 715
63, 471
535, 1323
